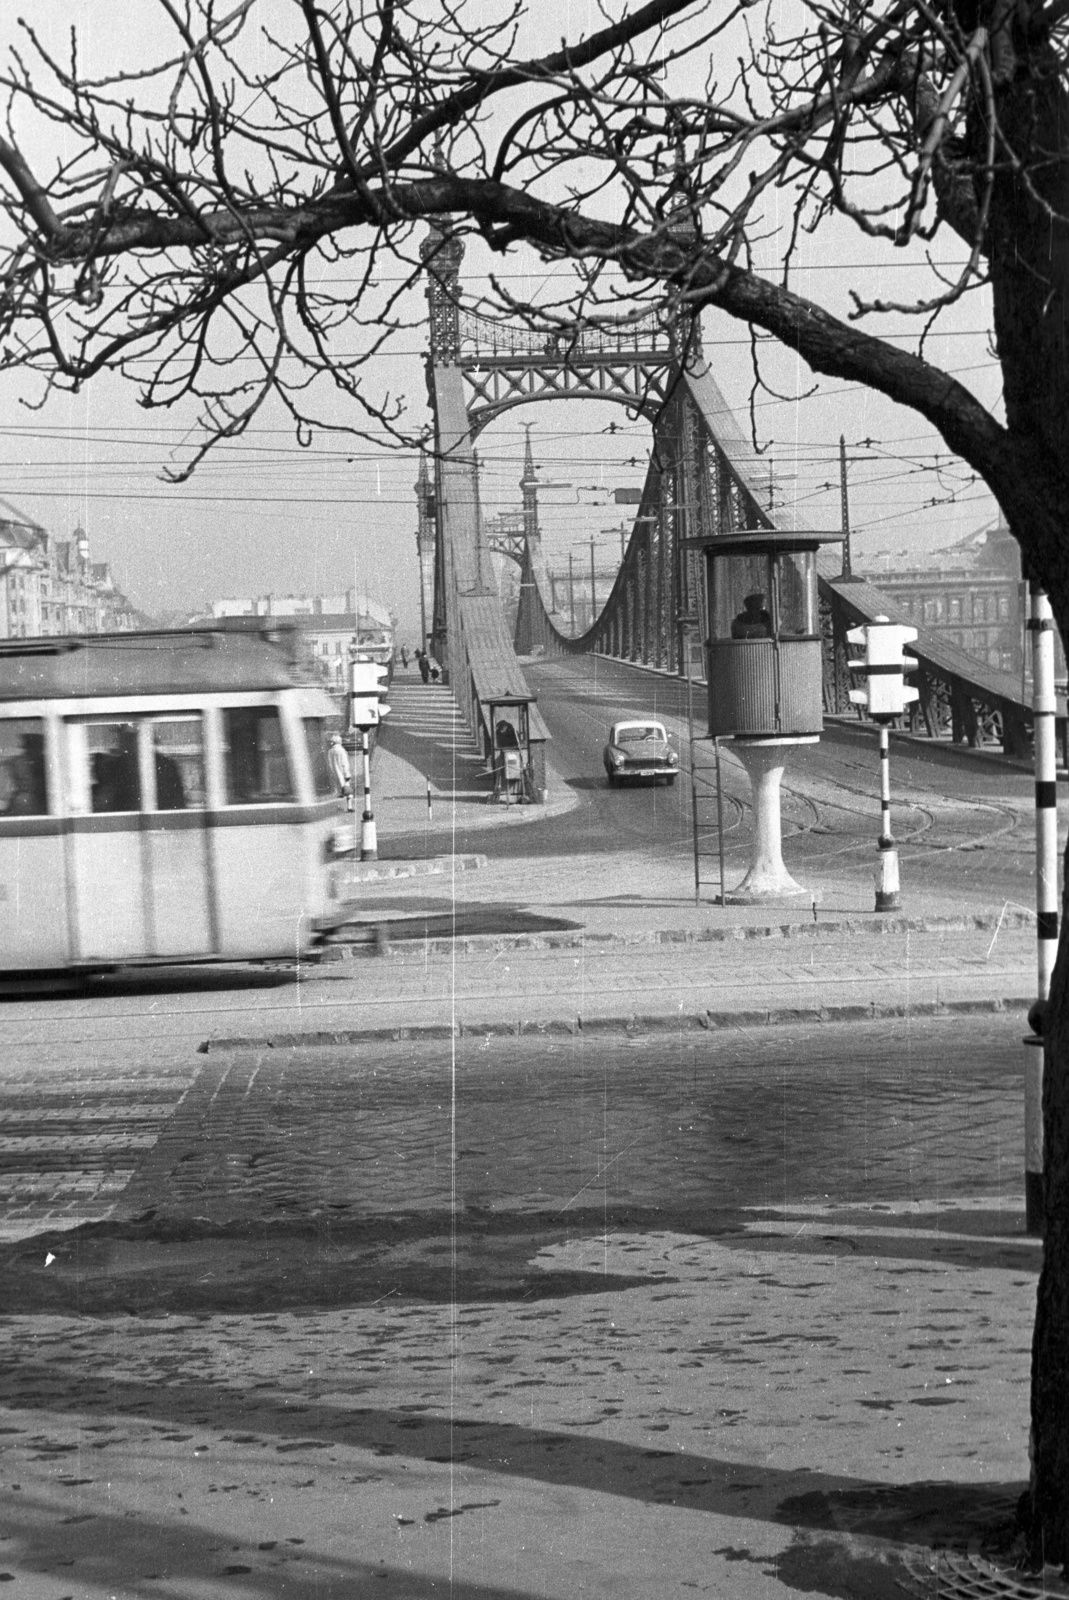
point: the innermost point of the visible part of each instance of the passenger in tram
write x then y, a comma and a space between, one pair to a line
753, 621
170, 791
25, 773
116, 782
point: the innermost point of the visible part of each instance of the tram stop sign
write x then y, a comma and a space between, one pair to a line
885, 693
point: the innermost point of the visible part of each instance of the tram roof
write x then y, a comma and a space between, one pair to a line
173, 661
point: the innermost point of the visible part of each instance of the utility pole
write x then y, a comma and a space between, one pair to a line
844, 498
593, 585
571, 589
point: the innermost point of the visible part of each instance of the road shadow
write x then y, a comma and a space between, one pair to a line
453, 924
160, 1264
574, 1457
132, 981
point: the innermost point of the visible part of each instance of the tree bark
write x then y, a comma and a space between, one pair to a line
1028, 259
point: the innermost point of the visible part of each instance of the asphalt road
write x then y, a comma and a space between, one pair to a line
960, 818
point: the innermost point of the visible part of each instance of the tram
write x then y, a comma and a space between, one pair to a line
164, 797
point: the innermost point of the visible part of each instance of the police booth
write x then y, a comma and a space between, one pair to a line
764, 657
764, 665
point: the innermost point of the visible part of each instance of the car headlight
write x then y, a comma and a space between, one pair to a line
673, 758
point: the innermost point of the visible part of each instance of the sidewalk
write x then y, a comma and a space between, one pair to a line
695, 1308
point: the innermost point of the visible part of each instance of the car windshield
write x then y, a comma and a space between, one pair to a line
639, 733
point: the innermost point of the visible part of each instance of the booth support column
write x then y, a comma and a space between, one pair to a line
767, 877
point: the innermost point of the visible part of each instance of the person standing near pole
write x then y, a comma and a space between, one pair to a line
340, 766
424, 665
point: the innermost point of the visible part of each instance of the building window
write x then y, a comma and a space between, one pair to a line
955, 608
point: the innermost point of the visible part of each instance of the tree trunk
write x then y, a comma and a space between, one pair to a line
1028, 256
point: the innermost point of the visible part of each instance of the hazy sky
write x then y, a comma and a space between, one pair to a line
264, 514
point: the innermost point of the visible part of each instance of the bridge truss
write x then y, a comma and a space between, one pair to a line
705, 479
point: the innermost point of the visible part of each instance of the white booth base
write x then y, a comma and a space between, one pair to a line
767, 878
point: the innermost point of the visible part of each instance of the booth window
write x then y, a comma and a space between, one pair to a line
22, 768
738, 583
315, 737
797, 595
254, 757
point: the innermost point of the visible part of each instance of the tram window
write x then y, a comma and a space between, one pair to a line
115, 782
178, 762
22, 768
257, 771
315, 737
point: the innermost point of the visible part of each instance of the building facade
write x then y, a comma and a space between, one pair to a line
327, 624
970, 592
50, 586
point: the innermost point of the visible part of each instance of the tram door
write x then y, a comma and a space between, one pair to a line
138, 837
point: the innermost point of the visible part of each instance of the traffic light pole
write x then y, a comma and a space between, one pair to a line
888, 897
366, 712
886, 696
368, 841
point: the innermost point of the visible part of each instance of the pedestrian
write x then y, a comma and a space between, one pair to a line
436, 670
424, 665
404, 655
338, 757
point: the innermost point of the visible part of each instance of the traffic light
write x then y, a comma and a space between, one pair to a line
885, 693
368, 686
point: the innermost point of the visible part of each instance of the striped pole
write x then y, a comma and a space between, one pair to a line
368, 841
1044, 707
887, 890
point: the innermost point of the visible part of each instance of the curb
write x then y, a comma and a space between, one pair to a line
374, 871
630, 1027
376, 938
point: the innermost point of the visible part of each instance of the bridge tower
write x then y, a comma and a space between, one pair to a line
705, 480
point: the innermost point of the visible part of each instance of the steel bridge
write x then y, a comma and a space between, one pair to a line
705, 480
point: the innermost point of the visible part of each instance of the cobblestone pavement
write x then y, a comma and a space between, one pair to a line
743, 1315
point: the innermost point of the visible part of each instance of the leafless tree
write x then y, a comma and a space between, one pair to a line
226, 222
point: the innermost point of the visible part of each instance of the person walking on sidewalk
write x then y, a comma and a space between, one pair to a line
404, 655
338, 757
424, 665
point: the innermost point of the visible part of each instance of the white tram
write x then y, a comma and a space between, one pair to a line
164, 797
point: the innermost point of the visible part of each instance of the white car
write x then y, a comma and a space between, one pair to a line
639, 749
